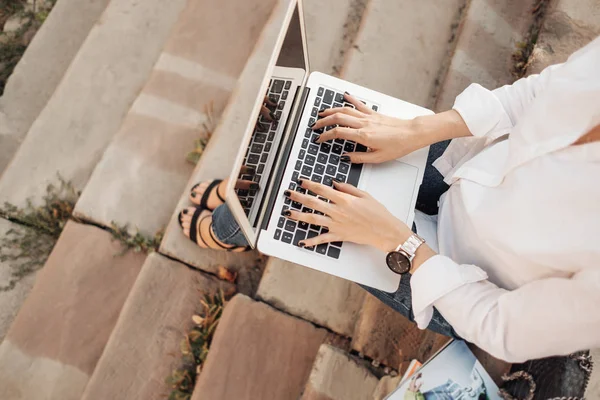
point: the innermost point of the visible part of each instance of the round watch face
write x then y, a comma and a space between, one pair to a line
398, 262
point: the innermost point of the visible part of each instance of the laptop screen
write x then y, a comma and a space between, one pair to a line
259, 163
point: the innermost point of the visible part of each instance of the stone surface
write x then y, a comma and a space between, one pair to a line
219, 156
568, 26
386, 385
11, 300
388, 337
202, 60
401, 47
494, 367
312, 295
593, 389
42, 67
258, 353
487, 39
147, 336
336, 376
88, 106
60, 332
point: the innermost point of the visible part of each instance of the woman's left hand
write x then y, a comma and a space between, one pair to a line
351, 215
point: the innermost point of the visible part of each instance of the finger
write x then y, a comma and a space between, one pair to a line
270, 100
363, 157
340, 133
309, 201
266, 113
338, 119
324, 238
309, 218
246, 170
343, 110
348, 188
320, 189
244, 184
360, 106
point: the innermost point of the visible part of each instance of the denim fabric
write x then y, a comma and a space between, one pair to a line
227, 230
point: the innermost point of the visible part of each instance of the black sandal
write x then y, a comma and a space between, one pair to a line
209, 189
195, 233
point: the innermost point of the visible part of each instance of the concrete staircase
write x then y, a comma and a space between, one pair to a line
118, 124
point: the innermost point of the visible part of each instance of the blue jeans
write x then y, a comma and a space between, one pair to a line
227, 230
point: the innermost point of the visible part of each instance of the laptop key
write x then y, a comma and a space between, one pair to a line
287, 201
306, 170
317, 102
308, 132
256, 148
311, 122
316, 178
264, 157
331, 170
343, 168
361, 148
328, 180
341, 177
277, 234
300, 235
271, 136
337, 148
301, 154
277, 86
322, 158
290, 225
278, 115
287, 237
253, 159
375, 108
313, 149
349, 147
284, 95
322, 248
320, 91
302, 225
288, 84
305, 143
333, 252
334, 159
310, 160
267, 147
314, 112
319, 169
328, 96
298, 165
339, 97
296, 205
338, 105
354, 174
338, 244
261, 168
325, 148
295, 176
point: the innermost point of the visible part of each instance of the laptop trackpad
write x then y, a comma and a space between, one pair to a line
393, 184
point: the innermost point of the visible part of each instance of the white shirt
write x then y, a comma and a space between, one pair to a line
519, 229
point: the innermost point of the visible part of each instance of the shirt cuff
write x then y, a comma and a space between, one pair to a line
482, 111
435, 278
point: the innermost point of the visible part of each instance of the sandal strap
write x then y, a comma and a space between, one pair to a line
212, 236
207, 192
194, 224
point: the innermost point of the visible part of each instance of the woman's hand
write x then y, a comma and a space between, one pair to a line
388, 138
351, 215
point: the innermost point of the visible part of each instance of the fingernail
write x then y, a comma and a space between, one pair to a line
273, 99
254, 186
336, 180
312, 124
194, 194
273, 115
345, 158
185, 211
347, 93
301, 244
287, 213
300, 182
287, 193
316, 139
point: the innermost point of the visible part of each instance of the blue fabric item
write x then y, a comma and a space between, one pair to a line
227, 231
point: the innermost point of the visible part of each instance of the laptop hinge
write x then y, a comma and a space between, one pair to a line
282, 164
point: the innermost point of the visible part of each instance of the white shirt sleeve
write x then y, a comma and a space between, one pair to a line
526, 323
495, 112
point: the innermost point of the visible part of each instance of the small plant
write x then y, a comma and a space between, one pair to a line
194, 347
206, 132
26, 249
522, 56
137, 242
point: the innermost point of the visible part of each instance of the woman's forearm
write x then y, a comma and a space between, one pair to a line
443, 126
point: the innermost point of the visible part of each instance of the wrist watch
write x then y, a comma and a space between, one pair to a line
400, 259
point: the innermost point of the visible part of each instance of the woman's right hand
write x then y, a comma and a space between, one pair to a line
387, 138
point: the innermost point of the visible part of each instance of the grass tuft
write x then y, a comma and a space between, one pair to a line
194, 347
136, 242
206, 132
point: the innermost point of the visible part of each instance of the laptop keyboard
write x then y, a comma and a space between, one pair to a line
262, 141
318, 163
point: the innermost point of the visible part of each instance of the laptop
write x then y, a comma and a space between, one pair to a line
282, 151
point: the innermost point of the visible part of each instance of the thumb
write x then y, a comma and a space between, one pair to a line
366, 157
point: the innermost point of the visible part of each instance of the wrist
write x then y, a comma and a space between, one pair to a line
438, 127
393, 237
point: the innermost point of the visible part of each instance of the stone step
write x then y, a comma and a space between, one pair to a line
198, 67
323, 299
11, 299
87, 107
388, 337
42, 67
402, 46
144, 347
258, 353
568, 26
487, 39
60, 332
336, 376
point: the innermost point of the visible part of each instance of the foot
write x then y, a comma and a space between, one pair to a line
216, 194
197, 226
